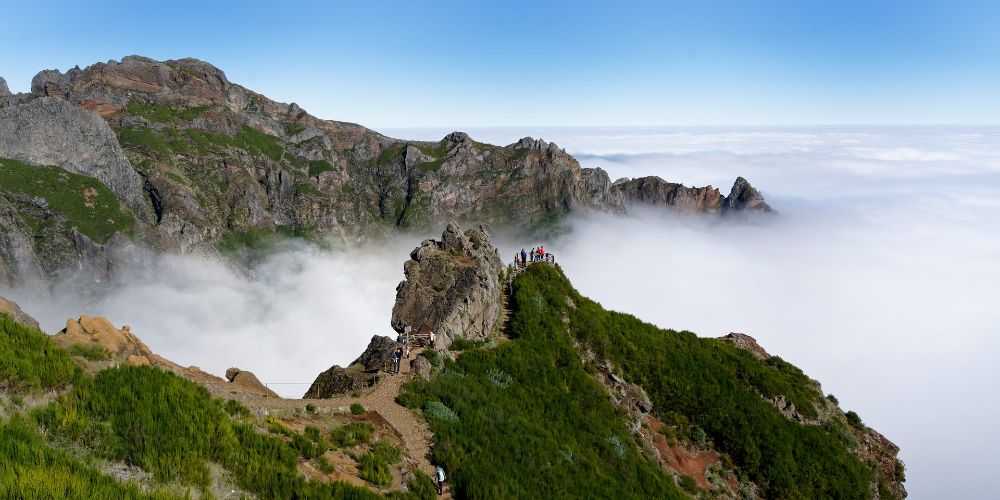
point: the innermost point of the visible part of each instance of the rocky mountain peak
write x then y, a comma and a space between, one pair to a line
4, 91
457, 138
451, 288
744, 196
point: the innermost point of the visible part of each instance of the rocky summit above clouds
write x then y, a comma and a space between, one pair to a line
452, 287
198, 162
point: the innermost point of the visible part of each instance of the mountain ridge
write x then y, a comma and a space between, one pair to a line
201, 162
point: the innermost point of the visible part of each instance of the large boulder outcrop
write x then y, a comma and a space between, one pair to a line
337, 381
361, 373
452, 287
4, 91
120, 345
249, 382
11, 309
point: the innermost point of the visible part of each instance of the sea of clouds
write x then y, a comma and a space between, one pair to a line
879, 278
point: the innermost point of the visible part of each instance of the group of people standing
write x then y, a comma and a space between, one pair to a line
537, 254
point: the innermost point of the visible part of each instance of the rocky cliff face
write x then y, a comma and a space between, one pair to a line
655, 192
197, 160
452, 287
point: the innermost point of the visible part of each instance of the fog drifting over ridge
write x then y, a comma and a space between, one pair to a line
879, 278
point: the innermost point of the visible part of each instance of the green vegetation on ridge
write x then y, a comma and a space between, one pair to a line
526, 420
173, 428
718, 387
85, 202
30, 361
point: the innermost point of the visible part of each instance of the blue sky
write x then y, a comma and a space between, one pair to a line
463, 64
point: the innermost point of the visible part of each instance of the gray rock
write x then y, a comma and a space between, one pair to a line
655, 192
378, 352
422, 367
744, 198
51, 131
452, 287
4, 91
337, 381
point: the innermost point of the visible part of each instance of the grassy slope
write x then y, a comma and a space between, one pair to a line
717, 387
144, 416
67, 193
521, 410
30, 361
525, 420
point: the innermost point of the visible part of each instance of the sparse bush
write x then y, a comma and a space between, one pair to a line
352, 434
387, 452
854, 419
688, 484
310, 408
236, 409
375, 470
357, 409
323, 465
437, 410
833, 399
91, 352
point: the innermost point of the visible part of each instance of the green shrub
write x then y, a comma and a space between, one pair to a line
352, 434
317, 167
832, 399
714, 384
688, 484
374, 469
31, 469
235, 409
437, 410
29, 360
92, 352
357, 409
386, 452
323, 465
310, 408
854, 419
421, 486
463, 344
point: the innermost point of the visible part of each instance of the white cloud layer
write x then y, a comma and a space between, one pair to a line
879, 278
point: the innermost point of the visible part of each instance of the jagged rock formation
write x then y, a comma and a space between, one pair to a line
743, 198
655, 192
361, 373
452, 287
4, 91
11, 309
197, 158
249, 382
